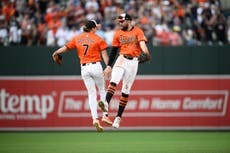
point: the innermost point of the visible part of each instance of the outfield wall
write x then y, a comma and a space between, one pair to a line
29, 61
156, 102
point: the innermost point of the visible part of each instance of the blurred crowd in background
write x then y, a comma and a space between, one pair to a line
165, 22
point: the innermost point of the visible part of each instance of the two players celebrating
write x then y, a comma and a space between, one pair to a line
130, 41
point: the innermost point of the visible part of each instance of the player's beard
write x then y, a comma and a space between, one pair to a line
125, 27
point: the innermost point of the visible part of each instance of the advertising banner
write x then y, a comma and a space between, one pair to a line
155, 102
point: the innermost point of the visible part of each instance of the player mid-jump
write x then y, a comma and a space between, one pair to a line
132, 43
90, 47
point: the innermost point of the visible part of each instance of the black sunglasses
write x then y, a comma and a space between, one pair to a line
121, 18
122, 21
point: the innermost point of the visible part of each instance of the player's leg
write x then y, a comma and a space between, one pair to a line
100, 83
92, 97
126, 87
117, 74
128, 80
98, 76
90, 86
122, 104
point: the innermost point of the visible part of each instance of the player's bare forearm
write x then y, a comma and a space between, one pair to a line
107, 72
144, 47
60, 50
145, 55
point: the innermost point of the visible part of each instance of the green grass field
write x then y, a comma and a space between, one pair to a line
115, 142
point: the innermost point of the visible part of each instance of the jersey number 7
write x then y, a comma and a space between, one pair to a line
86, 48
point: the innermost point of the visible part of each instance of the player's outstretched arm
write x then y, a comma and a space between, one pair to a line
57, 54
112, 56
145, 55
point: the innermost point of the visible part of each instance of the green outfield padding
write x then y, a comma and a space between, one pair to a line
165, 60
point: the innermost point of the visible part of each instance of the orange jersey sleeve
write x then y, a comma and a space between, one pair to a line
88, 46
128, 41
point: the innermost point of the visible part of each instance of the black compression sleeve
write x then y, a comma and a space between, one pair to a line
112, 55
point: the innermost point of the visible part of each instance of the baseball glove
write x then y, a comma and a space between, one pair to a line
57, 58
144, 58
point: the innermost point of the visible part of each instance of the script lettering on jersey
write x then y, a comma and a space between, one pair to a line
127, 39
85, 40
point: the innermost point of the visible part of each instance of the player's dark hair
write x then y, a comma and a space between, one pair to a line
89, 25
85, 29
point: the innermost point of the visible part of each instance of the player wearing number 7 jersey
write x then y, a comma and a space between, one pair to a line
89, 48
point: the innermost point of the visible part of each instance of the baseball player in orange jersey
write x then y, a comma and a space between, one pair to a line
132, 42
89, 47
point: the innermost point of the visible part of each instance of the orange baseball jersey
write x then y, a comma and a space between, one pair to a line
128, 41
88, 46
